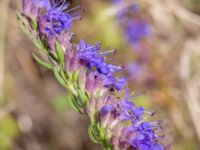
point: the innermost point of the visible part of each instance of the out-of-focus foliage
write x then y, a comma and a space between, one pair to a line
8, 131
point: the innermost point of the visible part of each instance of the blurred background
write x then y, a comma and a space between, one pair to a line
157, 42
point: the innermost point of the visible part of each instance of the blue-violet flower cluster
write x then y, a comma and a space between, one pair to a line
116, 123
135, 28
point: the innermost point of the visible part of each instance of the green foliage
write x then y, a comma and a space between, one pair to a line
57, 75
70, 102
34, 24
82, 98
38, 44
59, 52
8, 130
41, 62
97, 135
22, 23
92, 135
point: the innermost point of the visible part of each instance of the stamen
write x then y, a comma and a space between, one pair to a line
107, 53
58, 3
72, 9
60, 8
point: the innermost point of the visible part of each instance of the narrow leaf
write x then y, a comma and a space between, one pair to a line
70, 102
38, 44
41, 62
91, 134
21, 18
34, 24
22, 27
58, 77
60, 52
82, 97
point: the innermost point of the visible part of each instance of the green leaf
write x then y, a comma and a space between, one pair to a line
21, 17
22, 23
101, 132
72, 89
41, 62
53, 56
91, 134
34, 24
63, 75
38, 44
77, 106
58, 77
70, 102
23, 27
60, 52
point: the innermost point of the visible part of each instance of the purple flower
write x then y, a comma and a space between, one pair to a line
135, 30
56, 20
52, 18
31, 7
105, 110
139, 134
90, 56
92, 80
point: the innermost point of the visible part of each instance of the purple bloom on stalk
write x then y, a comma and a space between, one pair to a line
31, 7
90, 79
53, 18
57, 19
135, 30
105, 110
89, 56
138, 134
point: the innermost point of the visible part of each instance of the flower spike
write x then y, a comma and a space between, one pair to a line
116, 123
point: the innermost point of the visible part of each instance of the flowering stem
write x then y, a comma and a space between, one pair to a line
82, 70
